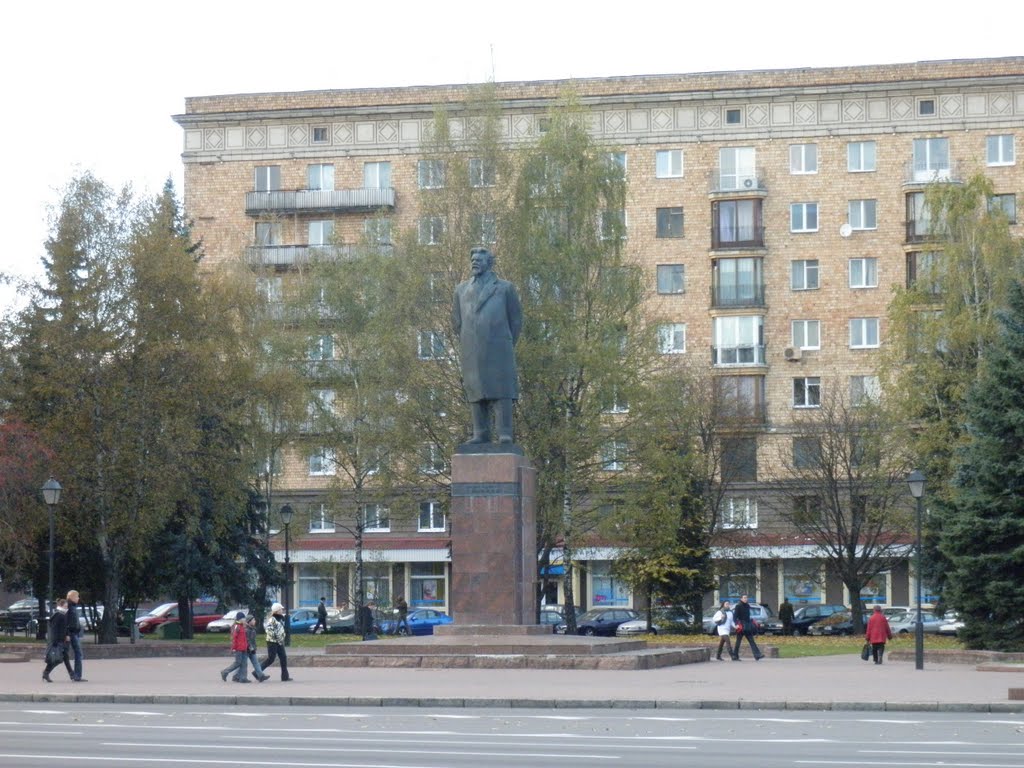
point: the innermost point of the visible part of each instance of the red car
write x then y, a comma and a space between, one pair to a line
202, 614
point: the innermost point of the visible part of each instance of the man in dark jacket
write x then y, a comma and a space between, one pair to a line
741, 615
786, 616
75, 634
321, 616
58, 636
487, 316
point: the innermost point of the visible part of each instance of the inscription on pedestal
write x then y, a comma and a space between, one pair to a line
485, 489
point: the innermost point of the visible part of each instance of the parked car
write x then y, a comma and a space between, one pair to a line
421, 622
203, 614
303, 621
761, 614
951, 624
666, 619
553, 615
804, 617
223, 624
600, 621
905, 623
19, 614
839, 623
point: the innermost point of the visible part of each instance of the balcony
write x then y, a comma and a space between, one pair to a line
732, 184
923, 172
293, 255
319, 200
735, 356
737, 238
743, 295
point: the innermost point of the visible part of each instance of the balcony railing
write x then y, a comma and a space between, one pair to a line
729, 238
747, 295
919, 172
292, 255
319, 200
743, 355
739, 183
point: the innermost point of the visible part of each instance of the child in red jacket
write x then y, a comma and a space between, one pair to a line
240, 647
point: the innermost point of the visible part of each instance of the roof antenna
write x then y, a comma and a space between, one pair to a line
493, 78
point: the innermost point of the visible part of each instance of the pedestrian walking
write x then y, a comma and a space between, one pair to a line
366, 622
250, 641
57, 641
786, 616
745, 627
75, 634
725, 626
274, 627
878, 632
240, 647
403, 615
321, 616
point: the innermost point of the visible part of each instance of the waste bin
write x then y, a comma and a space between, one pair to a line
170, 631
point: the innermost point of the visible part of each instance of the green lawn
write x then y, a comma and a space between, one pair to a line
795, 647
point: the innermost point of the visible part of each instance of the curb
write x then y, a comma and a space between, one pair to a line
460, 703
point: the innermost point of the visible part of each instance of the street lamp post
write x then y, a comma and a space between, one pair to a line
287, 513
916, 482
51, 495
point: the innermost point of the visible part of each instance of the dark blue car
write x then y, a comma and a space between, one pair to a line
421, 622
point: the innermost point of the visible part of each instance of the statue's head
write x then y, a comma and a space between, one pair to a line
480, 260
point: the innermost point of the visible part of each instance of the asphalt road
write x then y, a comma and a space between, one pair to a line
324, 737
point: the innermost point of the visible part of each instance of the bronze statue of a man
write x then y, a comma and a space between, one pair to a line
487, 317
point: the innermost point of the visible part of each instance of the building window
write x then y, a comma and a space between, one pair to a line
671, 278
377, 230
738, 340
806, 334
376, 518
431, 517
267, 178
737, 283
543, 124
607, 588
864, 273
431, 345
737, 224
919, 219
432, 460
322, 462
481, 172
672, 338
931, 160
803, 274
613, 225
431, 230
862, 214
739, 460
860, 156
616, 165
923, 272
668, 163
739, 399
427, 584
733, 116
320, 134
271, 289
430, 174
1005, 204
803, 158
319, 409
321, 348
320, 232
614, 401
807, 392
670, 222
926, 107
999, 150
736, 168
863, 332
806, 452
803, 217
613, 456
864, 390
321, 520
484, 228
739, 513
320, 176
377, 582
268, 233
377, 175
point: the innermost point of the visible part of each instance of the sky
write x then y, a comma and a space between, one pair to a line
92, 86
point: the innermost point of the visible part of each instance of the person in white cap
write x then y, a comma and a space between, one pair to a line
274, 627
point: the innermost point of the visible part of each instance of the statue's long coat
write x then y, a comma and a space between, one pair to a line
487, 316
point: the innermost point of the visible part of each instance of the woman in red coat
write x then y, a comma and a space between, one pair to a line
878, 633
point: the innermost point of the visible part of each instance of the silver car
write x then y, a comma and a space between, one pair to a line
904, 623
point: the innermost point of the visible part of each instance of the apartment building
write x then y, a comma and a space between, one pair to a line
773, 212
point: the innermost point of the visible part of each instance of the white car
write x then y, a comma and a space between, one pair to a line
223, 624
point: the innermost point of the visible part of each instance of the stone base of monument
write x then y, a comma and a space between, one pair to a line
505, 647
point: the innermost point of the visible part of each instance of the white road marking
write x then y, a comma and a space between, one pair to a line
385, 748
934, 764
69, 758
